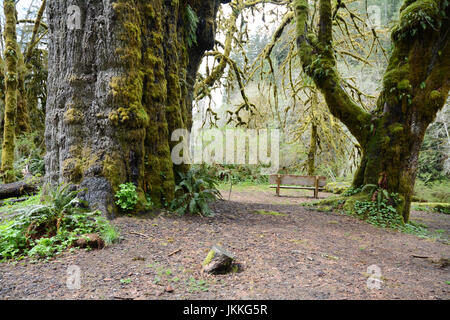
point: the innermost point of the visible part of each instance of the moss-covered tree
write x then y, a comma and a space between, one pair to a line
24, 69
118, 86
415, 88
11, 82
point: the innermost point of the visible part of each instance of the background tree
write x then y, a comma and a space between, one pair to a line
415, 88
11, 82
31, 65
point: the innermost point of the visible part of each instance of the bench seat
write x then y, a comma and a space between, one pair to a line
293, 187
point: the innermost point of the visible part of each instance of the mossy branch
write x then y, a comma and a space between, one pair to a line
319, 63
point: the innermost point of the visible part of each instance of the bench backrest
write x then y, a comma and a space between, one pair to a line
294, 180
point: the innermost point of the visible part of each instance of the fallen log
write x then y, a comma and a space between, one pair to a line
18, 189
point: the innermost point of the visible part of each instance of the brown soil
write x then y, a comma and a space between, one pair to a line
300, 254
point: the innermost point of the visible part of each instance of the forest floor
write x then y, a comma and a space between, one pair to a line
286, 252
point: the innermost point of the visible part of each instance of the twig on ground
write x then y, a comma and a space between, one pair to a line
140, 234
174, 253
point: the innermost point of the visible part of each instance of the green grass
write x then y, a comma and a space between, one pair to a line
34, 200
437, 192
431, 207
243, 186
270, 213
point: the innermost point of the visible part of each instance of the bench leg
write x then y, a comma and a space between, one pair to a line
316, 190
278, 186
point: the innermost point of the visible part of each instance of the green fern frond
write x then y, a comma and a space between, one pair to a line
192, 24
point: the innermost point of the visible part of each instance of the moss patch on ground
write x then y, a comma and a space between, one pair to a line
270, 213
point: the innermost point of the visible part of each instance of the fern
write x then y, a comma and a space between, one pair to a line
192, 24
194, 193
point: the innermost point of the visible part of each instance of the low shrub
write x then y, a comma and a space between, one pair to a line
127, 196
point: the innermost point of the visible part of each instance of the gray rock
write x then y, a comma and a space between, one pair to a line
219, 261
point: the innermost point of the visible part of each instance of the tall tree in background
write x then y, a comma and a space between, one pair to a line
415, 88
24, 67
118, 85
21, 111
11, 82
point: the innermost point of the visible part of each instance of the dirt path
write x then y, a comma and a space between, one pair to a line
297, 254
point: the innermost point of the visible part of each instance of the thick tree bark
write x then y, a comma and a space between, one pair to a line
415, 88
118, 87
11, 80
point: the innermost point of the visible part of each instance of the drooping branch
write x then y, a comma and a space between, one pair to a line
218, 71
320, 64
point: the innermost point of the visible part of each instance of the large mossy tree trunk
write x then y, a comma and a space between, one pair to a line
118, 86
11, 82
415, 88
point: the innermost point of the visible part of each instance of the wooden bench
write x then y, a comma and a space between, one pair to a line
285, 181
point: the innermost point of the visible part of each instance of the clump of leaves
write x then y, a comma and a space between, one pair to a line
52, 226
197, 285
351, 191
194, 192
127, 196
380, 210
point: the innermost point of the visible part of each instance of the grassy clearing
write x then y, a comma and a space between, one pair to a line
437, 192
431, 207
243, 186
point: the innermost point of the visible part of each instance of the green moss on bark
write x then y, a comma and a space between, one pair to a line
11, 80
